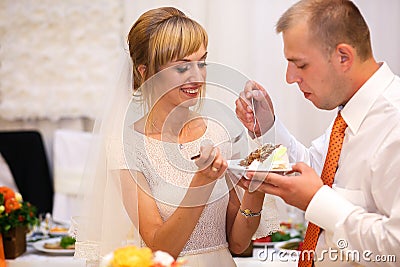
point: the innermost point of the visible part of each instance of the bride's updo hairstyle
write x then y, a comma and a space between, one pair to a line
160, 36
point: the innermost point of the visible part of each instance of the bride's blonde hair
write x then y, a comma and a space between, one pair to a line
158, 37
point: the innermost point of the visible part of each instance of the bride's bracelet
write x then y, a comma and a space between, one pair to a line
249, 213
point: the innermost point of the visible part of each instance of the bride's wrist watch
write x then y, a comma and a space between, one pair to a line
249, 213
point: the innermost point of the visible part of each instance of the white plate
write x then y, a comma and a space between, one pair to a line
234, 165
264, 244
57, 234
280, 246
39, 246
59, 230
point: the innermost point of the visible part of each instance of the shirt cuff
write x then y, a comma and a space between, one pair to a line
327, 208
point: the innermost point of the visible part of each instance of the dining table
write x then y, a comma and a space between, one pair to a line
262, 257
268, 256
34, 258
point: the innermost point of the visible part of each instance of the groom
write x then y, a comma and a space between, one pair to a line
353, 202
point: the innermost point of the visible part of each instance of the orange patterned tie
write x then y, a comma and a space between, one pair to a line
327, 176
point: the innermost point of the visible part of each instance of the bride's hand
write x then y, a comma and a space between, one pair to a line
211, 163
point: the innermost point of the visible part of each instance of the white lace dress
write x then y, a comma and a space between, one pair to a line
168, 171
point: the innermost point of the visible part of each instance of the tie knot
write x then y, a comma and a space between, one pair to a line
339, 125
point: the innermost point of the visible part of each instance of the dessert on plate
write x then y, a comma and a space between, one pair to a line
58, 231
66, 242
267, 157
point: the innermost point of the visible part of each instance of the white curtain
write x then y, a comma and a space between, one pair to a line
242, 36
57, 57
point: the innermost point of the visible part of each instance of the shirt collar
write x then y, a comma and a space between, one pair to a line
358, 106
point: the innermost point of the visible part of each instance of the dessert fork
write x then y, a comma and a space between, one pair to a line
255, 122
230, 140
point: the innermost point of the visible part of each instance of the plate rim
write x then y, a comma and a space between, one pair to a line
39, 246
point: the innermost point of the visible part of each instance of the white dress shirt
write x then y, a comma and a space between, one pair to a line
361, 212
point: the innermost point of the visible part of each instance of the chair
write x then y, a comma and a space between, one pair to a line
70, 150
6, 177
25, 155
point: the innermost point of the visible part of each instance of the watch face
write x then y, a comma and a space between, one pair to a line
247, 211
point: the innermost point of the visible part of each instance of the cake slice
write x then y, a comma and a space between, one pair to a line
267, 156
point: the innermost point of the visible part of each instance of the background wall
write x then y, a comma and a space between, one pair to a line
242, 36
59, 57
54, 55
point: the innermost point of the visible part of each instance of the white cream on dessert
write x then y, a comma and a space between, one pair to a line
278, 160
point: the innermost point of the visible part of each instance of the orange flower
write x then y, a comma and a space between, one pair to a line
7, 192
12, 204
14, 211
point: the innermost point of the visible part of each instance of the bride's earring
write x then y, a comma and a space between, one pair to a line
142, 70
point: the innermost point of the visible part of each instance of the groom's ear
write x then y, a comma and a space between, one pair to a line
344, 55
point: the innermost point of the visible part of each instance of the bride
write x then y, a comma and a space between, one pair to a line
147, 181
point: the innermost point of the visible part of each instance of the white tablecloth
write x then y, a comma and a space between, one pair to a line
267, 257
32, 258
